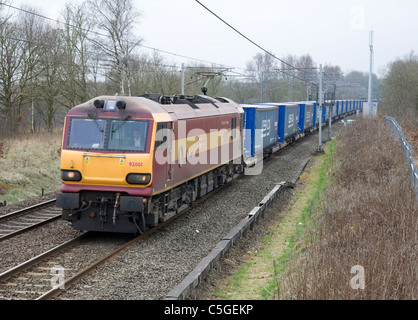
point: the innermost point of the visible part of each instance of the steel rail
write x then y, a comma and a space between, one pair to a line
97, 263
25, 210
19, 213
69, 282
31, 262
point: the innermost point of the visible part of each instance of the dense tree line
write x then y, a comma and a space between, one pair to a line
47, 67
400, 89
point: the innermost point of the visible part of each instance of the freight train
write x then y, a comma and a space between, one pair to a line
129, 163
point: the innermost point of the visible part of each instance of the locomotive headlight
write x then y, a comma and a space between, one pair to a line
138, 178
70, 175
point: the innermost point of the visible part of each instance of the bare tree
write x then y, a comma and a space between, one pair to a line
51, 80
307, 68
11, 60
261, 64
33, 28
289, 70
153, 74
262, 69
4, 15
78, 54
115, 19
332, 73
243, 91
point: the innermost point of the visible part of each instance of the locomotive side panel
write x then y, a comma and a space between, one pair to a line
195, 146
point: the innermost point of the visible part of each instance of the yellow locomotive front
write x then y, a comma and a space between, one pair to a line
106, 165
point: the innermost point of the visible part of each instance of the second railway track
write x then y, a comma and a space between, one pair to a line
157, 264
28, 218
48, 274
42, 276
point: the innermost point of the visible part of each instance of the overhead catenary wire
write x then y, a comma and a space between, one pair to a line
104, 35
245, 37
263, 49
156, 49
93, 32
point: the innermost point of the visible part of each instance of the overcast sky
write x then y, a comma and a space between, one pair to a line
332, 32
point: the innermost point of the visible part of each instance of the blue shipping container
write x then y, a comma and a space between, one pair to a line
288, 120
307, 115
260, 128
325, 115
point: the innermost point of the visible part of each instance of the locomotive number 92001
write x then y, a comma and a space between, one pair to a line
135, 164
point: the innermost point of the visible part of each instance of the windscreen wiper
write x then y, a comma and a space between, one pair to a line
121, 124
95, 122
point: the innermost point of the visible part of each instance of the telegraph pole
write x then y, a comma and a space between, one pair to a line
182, 78
331, 107
369, 97
290, 84
321, 97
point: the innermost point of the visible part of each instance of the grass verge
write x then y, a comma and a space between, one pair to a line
28, 164
257, 277
362, 240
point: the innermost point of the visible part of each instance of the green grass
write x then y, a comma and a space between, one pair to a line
257, 278
29, 163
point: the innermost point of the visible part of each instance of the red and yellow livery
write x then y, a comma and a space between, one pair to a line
130, 162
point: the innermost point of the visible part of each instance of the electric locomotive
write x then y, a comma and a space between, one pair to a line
128, 163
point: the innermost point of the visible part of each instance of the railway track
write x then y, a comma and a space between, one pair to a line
20, 221
33, 280
48, 274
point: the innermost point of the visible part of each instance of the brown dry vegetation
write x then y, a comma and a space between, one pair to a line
367, 218
28, 164
411, 134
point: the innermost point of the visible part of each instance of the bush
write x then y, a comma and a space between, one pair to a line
400, 94
368, 221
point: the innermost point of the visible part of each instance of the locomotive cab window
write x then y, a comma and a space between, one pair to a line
86, 134
108, 134
128, 135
